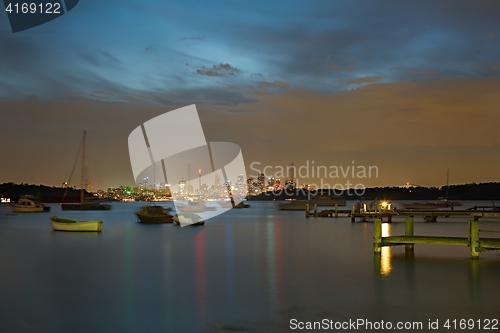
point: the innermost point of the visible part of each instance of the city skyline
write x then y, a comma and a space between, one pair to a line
411, 88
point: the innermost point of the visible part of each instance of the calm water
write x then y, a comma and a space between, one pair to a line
247, 270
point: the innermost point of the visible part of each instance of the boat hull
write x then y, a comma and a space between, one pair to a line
151, 219
20, 209
188, 219
70, 225
154, 215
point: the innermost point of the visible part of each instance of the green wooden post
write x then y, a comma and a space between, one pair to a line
377, 236
336, 210
474, 239
307, 210
409, 231
315, 210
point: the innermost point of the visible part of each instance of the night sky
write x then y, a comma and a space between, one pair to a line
410, 87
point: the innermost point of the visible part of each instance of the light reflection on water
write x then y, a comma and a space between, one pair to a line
385, 255
249, 269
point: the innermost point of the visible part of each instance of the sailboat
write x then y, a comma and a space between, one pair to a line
82, 205
440, 202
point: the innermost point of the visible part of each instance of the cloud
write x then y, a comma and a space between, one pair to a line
195, 38
366, 79
220, 70
496, 67
273, 84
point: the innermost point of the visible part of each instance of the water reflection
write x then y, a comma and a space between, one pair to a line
229, 268
275, 259
200, 271
271, 264
386, 255
474, 281
129, 276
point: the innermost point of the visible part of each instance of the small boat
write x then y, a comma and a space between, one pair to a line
187, 219
60, 224
154, 214
321, 201
29, 204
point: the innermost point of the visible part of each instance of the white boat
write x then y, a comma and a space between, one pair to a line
29, 205
60, 224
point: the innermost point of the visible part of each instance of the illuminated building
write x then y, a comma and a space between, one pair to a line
270, 183
240, 184
182, 185
289, 183
261, 181
250, 186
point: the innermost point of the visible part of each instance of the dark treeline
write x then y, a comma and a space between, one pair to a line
42, 192
483, 191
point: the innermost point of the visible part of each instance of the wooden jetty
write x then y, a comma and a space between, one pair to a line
326, 212
476, 243
365, 215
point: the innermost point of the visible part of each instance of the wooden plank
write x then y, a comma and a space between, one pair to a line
488, 243
426, 240
486, 214
434, 213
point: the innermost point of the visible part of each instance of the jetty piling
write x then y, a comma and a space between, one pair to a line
409, 231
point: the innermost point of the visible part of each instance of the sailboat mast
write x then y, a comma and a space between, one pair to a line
447, 182
83, 167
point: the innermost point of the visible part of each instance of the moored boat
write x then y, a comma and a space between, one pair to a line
28, 204
321, 201
84, 205
60, 224
194, 207
187, 219
154, 214
432, 205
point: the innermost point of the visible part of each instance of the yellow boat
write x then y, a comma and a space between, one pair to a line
60, 224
